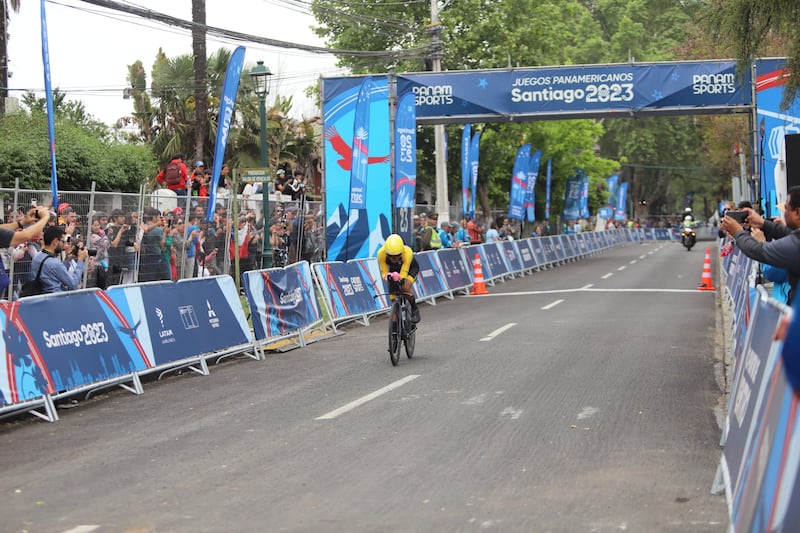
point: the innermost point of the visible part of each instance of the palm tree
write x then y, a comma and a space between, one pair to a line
200, 86
172, 121
166, 117
4, 5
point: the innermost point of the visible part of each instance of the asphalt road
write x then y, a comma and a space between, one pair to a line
578, 399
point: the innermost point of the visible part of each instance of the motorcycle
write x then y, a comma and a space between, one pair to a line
688, 238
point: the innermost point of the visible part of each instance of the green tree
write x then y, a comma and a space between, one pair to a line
400, 29
476, 34
164, 115
85, 151
751, 27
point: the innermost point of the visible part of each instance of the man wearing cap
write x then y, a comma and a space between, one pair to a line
69, 221
199, 184
444, 235
428, 234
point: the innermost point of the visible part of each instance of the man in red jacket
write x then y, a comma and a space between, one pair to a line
174, 175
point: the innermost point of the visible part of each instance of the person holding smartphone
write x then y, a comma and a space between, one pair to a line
782, 247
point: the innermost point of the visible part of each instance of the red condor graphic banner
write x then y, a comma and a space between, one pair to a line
358, 200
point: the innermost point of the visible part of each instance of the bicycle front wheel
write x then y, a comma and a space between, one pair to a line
394, 333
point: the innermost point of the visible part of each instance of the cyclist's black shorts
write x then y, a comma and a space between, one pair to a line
413, 270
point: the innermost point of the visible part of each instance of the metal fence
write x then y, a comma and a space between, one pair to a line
188, 249
270, 241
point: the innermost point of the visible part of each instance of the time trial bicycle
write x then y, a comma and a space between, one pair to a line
402, 330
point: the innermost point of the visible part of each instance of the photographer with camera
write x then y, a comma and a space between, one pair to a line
54, 275
119, 236
782, 248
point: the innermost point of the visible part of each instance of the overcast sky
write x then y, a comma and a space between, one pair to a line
90, 48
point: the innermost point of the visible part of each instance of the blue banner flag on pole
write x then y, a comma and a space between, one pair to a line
48, 93
227, 100
612, 183
584, 196
360, 161
547, 189
405, 156
466, 169
572, 198
622, 201
533, 175
519, 183
474, 153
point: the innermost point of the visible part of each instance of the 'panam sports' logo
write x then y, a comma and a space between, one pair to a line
434, 94
713, 83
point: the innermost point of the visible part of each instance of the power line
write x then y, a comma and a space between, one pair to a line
244, 37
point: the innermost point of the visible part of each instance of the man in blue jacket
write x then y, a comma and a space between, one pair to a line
54, 274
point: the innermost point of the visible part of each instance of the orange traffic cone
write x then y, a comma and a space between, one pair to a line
706, 282
478, 286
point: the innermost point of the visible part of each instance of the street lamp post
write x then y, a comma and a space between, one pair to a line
261, 75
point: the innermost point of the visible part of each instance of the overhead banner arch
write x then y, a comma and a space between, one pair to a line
619, 90
585, 91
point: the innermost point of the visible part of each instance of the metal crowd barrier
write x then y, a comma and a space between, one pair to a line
759, 470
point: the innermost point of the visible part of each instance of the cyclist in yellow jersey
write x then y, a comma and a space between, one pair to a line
395, 257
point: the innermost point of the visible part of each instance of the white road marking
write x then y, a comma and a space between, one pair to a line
551, 305
561, 291
607, 275
642, 256
476, 400
369, 397
688, 291
587, 412
512, 413
587, 286
498, 331
82, 529
623, 267
632, 262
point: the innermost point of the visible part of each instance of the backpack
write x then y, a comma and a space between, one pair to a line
32, 287
172, 174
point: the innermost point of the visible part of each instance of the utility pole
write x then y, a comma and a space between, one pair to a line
3, 58
442, 198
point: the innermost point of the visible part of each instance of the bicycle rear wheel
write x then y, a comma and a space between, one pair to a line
394, 333
411, 337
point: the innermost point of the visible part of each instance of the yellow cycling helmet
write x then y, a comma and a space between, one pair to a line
394, 244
